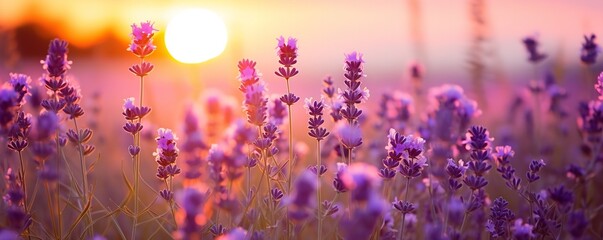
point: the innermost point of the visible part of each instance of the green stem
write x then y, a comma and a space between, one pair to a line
84, 170
401, 232
464, 220
22, 173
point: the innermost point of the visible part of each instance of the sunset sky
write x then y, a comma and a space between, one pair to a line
391, 34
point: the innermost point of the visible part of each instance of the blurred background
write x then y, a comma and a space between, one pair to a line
474, 43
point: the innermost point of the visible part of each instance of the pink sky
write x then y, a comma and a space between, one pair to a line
328, 29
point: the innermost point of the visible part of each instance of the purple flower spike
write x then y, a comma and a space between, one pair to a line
142, 39
590, 50
531, 43
141, 69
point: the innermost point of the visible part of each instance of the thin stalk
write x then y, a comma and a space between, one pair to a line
24, 189
83, 168
401, 232
531, 203
138, 144
318, 168
50, 208
445, 229
349, 195
433, 209
22, 173
171, 201
464, 220
254, 194
290, 154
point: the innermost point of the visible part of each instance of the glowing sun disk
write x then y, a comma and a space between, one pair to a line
195, 35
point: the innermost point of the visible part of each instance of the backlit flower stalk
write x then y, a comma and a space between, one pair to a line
18, 133
412, 163
65, 97
287, 53
353, 94
142, 46
478, 143
191, 146
165, 156
255, 105
315, 110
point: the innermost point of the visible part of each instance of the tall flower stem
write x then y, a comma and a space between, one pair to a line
170, 187
22, 175
318, 170
84, 171
401, 232
138, 144
289, 230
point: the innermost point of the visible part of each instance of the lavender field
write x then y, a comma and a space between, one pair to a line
122, 142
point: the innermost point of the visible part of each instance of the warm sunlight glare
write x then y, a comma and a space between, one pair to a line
195, 35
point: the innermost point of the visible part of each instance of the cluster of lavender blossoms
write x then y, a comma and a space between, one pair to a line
441, 175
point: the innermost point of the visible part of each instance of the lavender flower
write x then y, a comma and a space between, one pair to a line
191, 201
300, 201
364, 181
132, 112
236, 234
534, 169
338, 183
561, 195
165, 156
353, 95
8, 104
17, 218
455, 171
287, 53
451, 112
522, 231
500, 217
21, 83
531, 43
590, 50
502, 156
328, 90
142, 40
255, 103
315, 109
350, 136
410, 150
56, 65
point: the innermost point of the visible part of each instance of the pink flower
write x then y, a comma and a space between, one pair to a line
247, 70
283, 47
354, 57
143, 32
142, 39
287, 53
599, 86
128, 104
166, 138
141, 69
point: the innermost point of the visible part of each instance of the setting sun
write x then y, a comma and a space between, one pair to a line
195, 35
